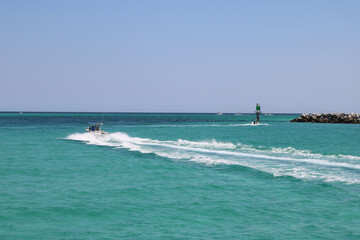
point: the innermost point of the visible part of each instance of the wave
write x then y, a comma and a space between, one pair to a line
302, 164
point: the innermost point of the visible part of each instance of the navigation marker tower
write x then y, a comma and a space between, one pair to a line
258, 111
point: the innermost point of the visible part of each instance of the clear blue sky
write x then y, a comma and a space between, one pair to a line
180, 56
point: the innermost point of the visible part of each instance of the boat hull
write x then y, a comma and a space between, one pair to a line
97, 132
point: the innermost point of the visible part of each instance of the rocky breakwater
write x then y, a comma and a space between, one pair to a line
328, 118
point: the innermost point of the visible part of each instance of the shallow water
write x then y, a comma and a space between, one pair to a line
177, 176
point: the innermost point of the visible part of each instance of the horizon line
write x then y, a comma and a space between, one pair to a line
140, 112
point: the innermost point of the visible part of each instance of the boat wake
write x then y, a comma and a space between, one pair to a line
201, 125
302, 164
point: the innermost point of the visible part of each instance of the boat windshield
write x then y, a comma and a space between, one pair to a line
94, 126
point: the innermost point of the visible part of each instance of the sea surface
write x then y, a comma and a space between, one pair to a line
177, 176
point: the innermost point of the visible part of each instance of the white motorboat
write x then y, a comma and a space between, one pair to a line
94, 127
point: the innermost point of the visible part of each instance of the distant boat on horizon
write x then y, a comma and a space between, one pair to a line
238, 113
219, 113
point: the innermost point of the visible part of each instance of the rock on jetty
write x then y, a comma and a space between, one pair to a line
328, 118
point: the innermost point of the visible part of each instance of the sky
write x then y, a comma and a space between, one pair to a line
180, 56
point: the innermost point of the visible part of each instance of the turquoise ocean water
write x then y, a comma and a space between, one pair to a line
177, 176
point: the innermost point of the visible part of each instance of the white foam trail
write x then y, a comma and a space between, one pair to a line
200, 125
278, 161
238, 124
259, 124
